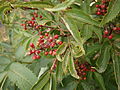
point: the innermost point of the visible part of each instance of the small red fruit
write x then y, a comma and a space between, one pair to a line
38, 51
115, 28
106, 32
51, 52
60, 42
103, 6
56, 36
98, 13
32, 45
38, 57
46, 34
34, 57
52, 44
40, 16
110, 37
33, 18
46, 53
97, 6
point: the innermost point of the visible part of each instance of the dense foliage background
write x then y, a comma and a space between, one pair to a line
84, 53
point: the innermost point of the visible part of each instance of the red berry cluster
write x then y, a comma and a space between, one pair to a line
108, 32
102, 8
32, 24
46, 44
83, 68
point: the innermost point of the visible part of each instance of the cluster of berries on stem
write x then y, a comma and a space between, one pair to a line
47, 44
82, 69
102, 8
108, 32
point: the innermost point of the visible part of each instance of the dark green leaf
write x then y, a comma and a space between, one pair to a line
61, 6
81, 16
99, 78
42, 81
116, 65
72, 69
104, 59
21, 76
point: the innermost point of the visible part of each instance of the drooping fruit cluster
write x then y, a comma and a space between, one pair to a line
83, 68
108, 32
46, 45
33, 24
102, 8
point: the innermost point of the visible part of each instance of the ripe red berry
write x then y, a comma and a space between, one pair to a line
56, 36
33, 18
106, 32
97, 6
115, 28
32, 45
50, 39
35, 14
98, 13
103, 11
34, 57
110, 37
41, 37
38, 51
46, 53
37, 27
103, 1
23, 25
46, 34
60, 42
38, 57
84, 78
103, 6
51, 52
52, 44
54, 53
40, 16
98, 9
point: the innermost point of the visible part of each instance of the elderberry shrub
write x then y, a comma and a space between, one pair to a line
46, 42
82, 69
102, 8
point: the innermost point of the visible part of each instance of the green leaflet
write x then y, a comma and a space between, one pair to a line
104, 59
72, 27
72, 70
21, 76
61, 49
2, 76
20, 52
86, 32
47, 86
54, 82
59, 72
66, 61
112, 12
82, 16
42, 81
98, 32
37, 4
116, 65
61, 6
59, 58
99, 78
